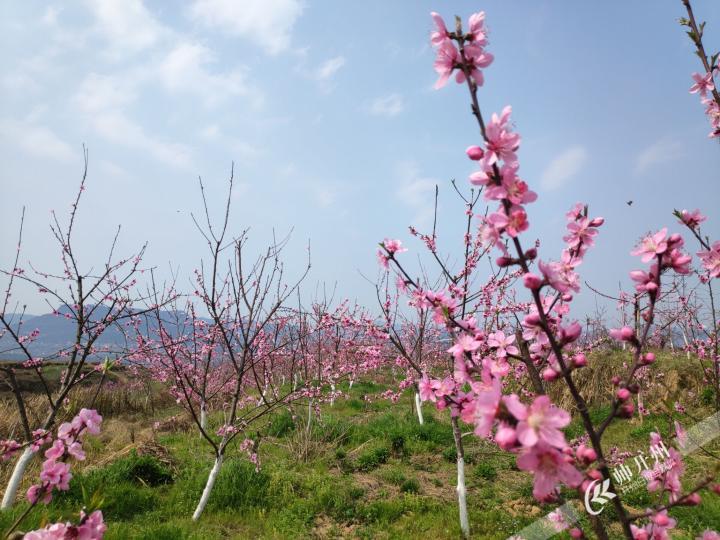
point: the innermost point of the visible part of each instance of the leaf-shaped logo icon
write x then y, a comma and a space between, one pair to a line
601, 495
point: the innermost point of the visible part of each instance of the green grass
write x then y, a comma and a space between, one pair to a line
374, 473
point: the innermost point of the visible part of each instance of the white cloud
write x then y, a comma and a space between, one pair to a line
329, 68
210, 132
127, 24
268, 23
37, 141
416, 192
20, 83
563, 167
101, 100
50, 16
390, 106
239, 149
99, 93
118, 128
36, 113
324, 196
184, 69
662, 151
113, 171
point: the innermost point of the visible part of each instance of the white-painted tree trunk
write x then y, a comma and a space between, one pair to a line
203, 415
17, 476
462, 498
212, 477
309, 420
418, 408
461, 489
687, 345
351, 382
332, 398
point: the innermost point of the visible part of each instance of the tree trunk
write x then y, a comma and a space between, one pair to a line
16, 478
212, 477
461, 489
687, 345
418, 408
203, 415
309, 420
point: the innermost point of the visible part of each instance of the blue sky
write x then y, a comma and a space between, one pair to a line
327, 110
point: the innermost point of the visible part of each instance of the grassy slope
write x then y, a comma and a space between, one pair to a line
366, 470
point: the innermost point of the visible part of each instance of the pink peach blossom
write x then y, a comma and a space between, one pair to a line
550, 467
703, 84
538, 423
651, 246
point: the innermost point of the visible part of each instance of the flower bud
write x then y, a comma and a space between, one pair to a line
585, 454
530, 254
626, 410
576, 533
627, 333
580, 360
570, 333
532, 281
661, 519
674, 239
648, 358
597, 222
623, 394
692, 500
615, 380
595, 474
475, 153
549, 374
505, 437
503, 262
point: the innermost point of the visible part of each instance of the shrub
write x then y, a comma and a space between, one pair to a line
163, 531
240, 486
450, 454
122, 502
372, 458
411, 485
281, 424
397, 444
485, 470
147, 470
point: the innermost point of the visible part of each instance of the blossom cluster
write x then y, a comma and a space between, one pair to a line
704, 85
90, 527
469, 59
483, 351
55, 473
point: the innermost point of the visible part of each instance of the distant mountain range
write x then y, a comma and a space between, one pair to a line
57, 332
